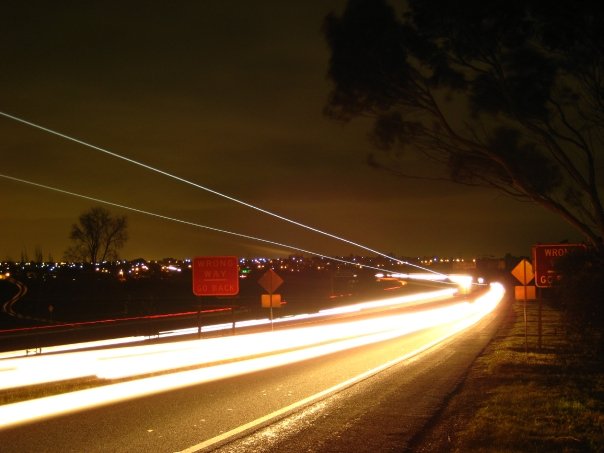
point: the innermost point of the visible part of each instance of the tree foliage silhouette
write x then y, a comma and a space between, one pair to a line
97, 237
504, 94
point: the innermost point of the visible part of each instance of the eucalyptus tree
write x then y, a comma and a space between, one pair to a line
503, 94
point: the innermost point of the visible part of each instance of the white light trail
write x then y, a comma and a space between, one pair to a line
73, 347
303, 343
18, 371
185, 222
262, 421
207, 189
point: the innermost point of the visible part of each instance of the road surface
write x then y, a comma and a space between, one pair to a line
384, 413
375, 387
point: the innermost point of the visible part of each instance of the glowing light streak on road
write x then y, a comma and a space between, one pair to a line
96, 343
7, 307
489, 303
207, 189
71, 347
236, 347
430, 296
39, 369
431, 277
424, 297
457, 316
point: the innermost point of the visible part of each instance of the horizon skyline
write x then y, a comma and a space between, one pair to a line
436, 258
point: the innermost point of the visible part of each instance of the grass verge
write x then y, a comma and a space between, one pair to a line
519, 398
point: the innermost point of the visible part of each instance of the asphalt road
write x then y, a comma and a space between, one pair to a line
386, 412
381, 413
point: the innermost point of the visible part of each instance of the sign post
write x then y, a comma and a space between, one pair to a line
545, 257
524, 274
270, 281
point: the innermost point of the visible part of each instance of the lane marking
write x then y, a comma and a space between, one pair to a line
458, 327
281, 413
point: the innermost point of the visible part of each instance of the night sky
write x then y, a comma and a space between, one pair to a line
229, 95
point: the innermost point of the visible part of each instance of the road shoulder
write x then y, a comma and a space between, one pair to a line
526, 392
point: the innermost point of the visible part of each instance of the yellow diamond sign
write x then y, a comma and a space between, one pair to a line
270, 281
523, 272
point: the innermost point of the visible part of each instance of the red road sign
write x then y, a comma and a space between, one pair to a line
215, 276
544, 260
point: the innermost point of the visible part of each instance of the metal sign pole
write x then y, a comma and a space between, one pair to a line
233, 317
199, 320
270, 281
525, 322
271, 302
540, 324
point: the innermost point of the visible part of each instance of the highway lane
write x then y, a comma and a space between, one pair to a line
39, 337
100, 358
187, 417
385, 412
